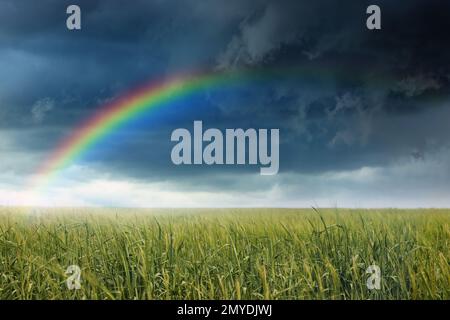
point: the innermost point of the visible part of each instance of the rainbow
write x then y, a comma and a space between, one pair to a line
121, 111
148, 97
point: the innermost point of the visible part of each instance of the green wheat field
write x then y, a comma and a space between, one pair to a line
224, 253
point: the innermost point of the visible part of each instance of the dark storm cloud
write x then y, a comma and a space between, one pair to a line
383, 94
120, 46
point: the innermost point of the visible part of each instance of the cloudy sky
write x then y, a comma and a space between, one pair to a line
367, 126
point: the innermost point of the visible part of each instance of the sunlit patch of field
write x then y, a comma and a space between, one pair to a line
224, 253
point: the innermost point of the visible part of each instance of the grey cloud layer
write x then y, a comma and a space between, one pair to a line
383, 96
